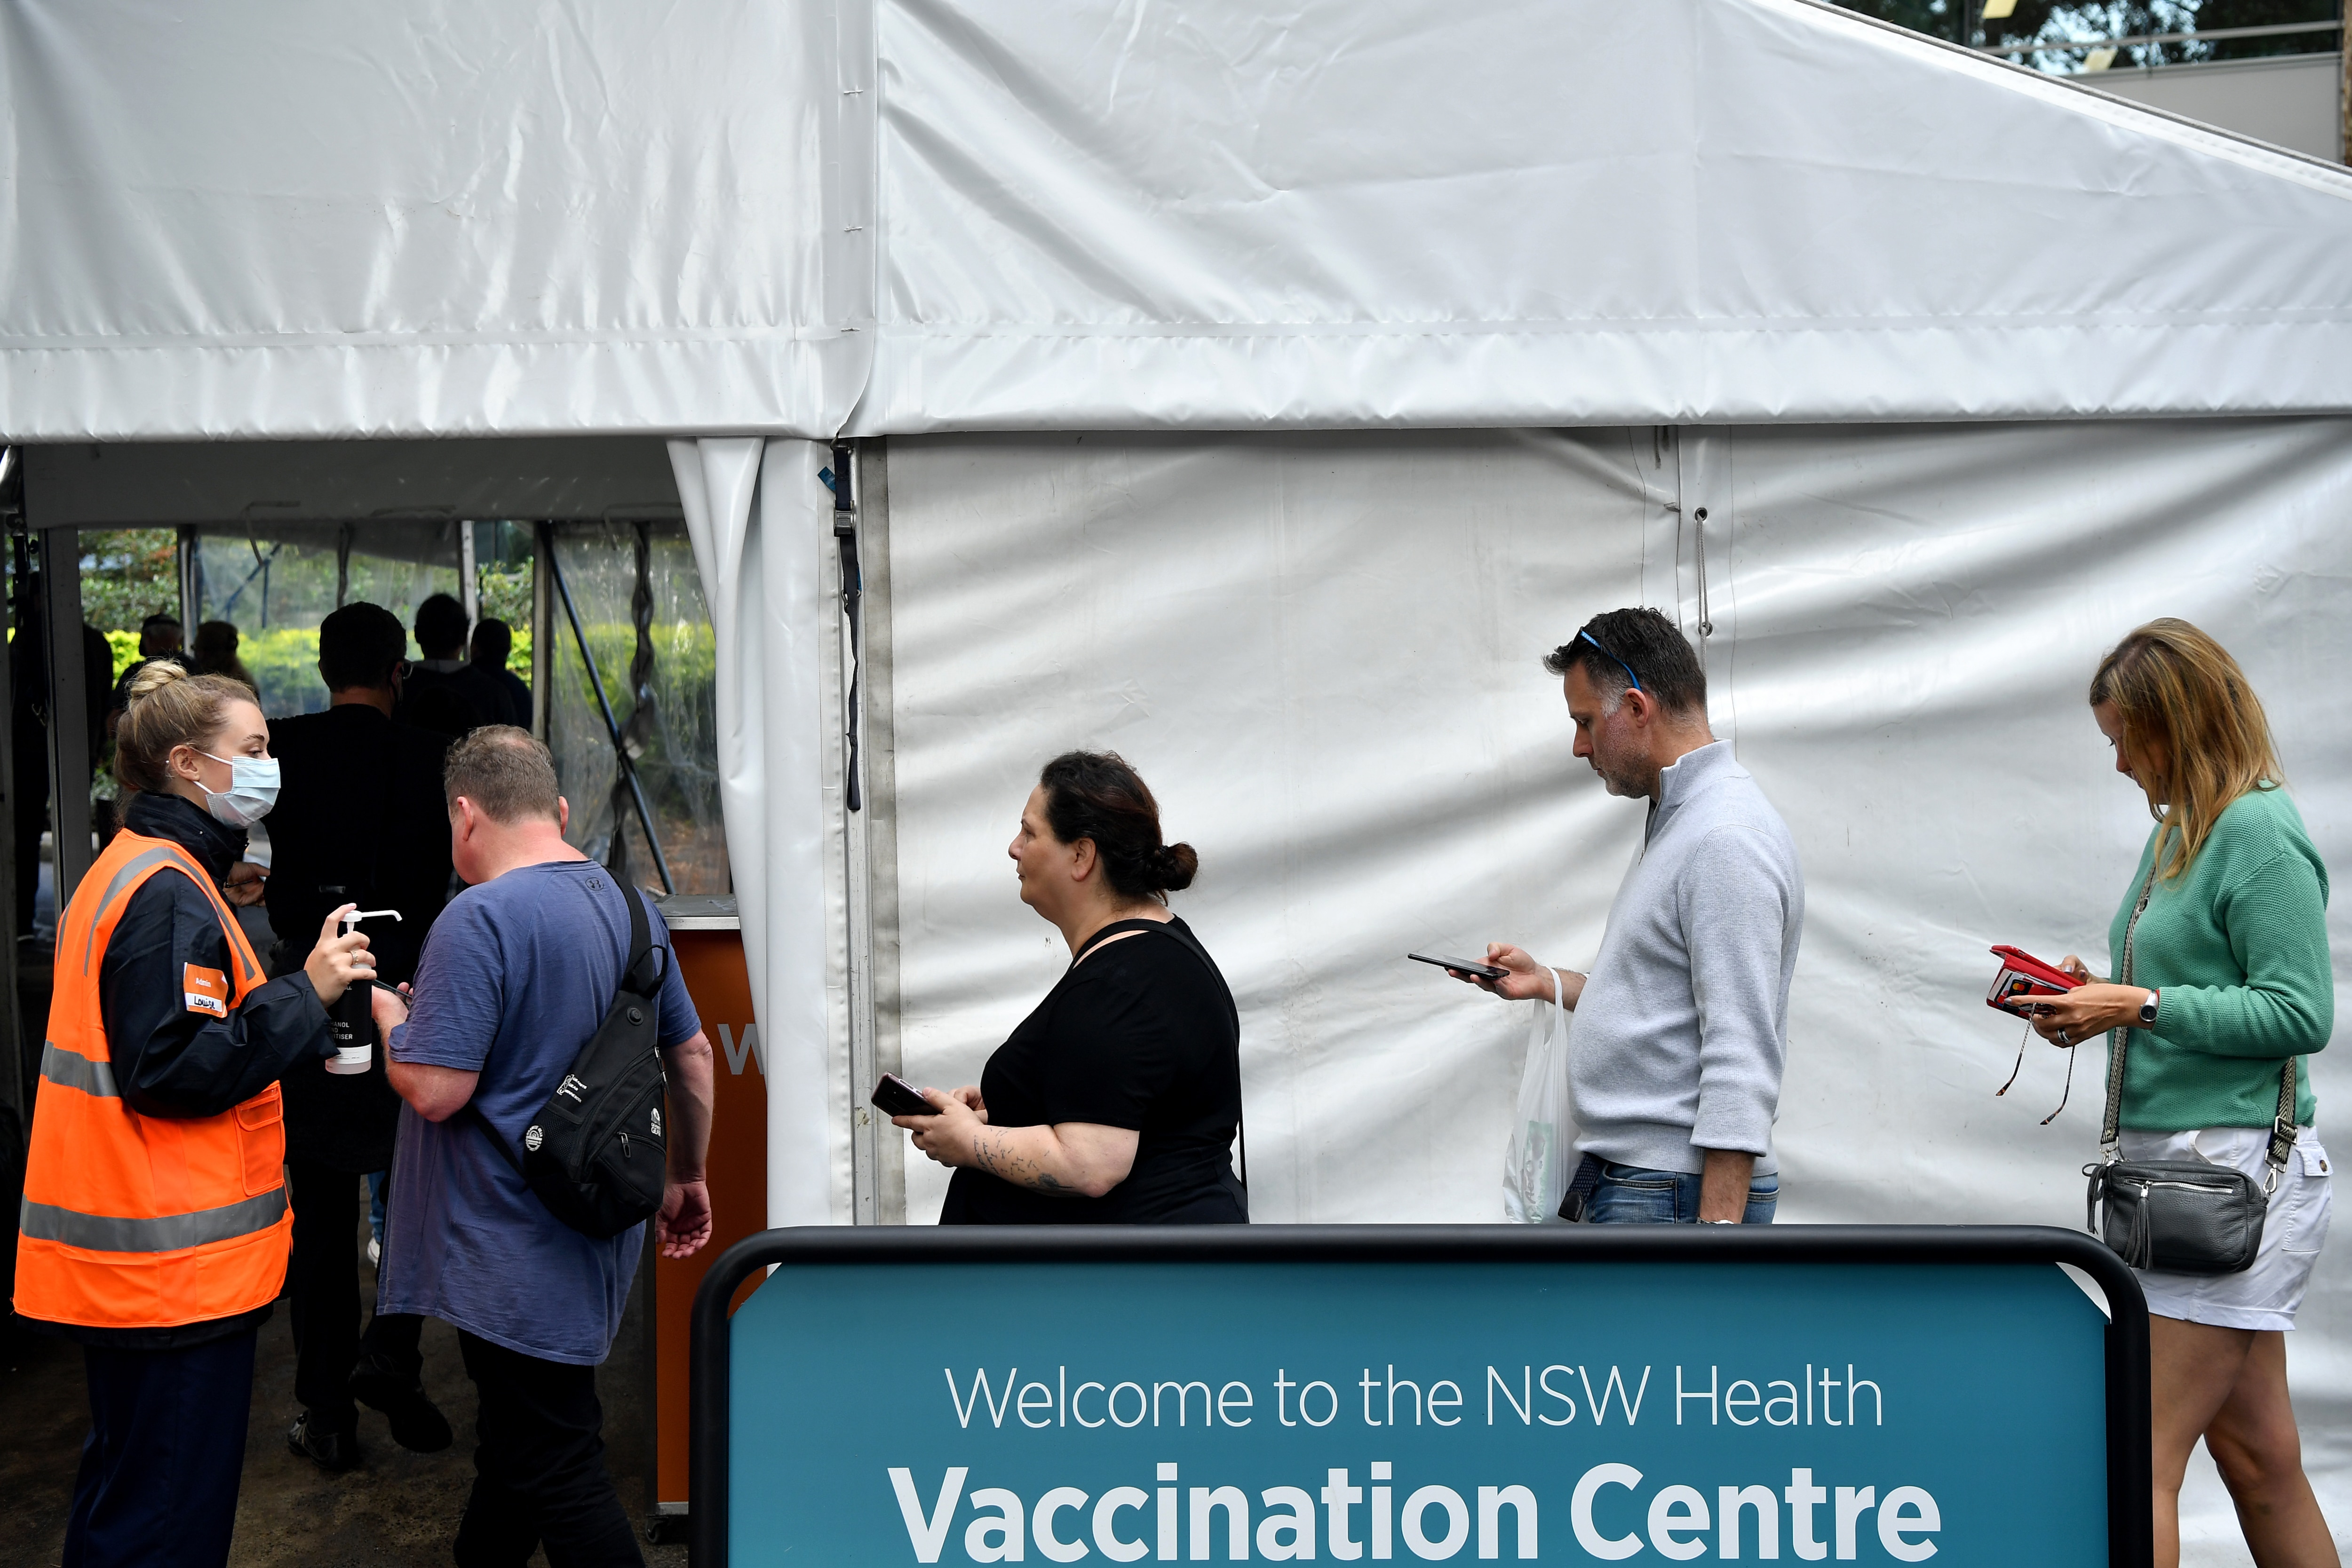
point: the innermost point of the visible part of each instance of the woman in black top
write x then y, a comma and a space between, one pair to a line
1116, 1102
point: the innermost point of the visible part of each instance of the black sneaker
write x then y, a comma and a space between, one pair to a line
334, 1452
417, 1424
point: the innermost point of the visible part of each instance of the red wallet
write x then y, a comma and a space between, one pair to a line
2024, 977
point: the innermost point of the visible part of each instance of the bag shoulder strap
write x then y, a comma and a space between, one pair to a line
641, 945
1191, 944
2282, 1125
497, 1139
2118, 1039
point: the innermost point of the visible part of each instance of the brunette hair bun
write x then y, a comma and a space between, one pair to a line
1095, 795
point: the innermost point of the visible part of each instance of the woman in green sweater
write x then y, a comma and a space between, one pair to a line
2230, 982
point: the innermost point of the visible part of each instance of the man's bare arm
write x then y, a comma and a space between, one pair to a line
684, 1223
436, 1093
1723, 1190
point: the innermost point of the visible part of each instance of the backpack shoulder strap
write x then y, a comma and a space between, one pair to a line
498, 1140
635, 976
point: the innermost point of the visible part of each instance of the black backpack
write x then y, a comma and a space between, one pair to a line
597, 1152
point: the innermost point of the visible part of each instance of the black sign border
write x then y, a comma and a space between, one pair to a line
2130, 1521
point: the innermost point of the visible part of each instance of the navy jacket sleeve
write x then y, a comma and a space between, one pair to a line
170, 1060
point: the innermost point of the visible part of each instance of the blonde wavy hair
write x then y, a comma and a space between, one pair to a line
2179, 690
169, 708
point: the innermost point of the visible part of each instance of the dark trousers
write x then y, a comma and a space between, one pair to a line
322, 1284
159, 1469
538, 1467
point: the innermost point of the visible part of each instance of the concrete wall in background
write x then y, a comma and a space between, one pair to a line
2289, 101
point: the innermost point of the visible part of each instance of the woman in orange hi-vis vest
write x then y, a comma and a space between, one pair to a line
155, 1223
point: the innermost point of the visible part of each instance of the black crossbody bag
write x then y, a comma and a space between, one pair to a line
597, 1152
2179, 1216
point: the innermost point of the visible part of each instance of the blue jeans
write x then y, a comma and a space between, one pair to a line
1630, 1195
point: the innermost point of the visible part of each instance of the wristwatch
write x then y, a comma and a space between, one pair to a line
2147, 1011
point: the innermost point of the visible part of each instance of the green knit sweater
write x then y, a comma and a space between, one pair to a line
2238, 947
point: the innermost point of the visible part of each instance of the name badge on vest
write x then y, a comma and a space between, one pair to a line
206, 990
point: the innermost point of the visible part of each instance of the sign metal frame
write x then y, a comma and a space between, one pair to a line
2131, 1522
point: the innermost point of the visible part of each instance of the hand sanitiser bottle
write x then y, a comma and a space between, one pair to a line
352, 1016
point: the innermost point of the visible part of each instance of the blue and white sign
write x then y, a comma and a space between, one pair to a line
1283, 1409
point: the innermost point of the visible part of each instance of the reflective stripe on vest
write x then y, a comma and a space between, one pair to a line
78, 1072
131, 869
134, 1221
164, 1233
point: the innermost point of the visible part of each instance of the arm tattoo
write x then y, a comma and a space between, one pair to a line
998, 1158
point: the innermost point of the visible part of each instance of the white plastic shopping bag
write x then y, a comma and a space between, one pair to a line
1542, 1156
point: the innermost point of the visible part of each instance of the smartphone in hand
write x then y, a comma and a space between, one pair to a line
893, 1096
1484, 971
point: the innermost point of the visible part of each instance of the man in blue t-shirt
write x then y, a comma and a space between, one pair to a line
514, 980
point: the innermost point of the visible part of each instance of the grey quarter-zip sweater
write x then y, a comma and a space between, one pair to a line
1683, 1028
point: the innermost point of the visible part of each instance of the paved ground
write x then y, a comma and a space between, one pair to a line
397, 1509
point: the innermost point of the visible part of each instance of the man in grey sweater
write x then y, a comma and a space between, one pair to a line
1682, 1025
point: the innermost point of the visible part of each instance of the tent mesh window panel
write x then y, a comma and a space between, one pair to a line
277, 583
641, 615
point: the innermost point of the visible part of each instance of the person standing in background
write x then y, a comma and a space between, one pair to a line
493, 646
441, 636
160, 637
2232, 991
514, 980
359, 820
216, 651
1683, 1024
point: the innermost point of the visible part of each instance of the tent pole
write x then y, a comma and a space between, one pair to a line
877, 1160
68, 700
542, 618
14, 1089
192, 604
469, 583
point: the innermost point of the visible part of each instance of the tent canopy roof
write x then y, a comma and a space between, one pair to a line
271, 220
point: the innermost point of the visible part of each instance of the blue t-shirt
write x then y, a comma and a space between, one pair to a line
515, 977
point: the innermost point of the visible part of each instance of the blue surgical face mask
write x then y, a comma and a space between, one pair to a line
252, 790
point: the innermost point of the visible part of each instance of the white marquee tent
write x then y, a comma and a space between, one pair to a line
1262, 392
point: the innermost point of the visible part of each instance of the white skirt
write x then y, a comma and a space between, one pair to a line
2266, 1295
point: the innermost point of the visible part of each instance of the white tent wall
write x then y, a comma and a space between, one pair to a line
271, 218
435, 217
1107, 214
1322, 652
758, 529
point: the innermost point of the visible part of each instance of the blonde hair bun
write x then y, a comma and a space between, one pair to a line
169, 708
154, 677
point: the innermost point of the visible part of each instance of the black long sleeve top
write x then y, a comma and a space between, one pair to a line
169, 1061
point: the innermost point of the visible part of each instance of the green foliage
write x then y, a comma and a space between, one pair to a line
125, 645
128, 575
505, 596
685, 656
284, 662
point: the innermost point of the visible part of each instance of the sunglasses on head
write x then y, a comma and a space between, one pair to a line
1588, 637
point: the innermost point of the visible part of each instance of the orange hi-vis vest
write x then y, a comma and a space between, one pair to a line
134, 1221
